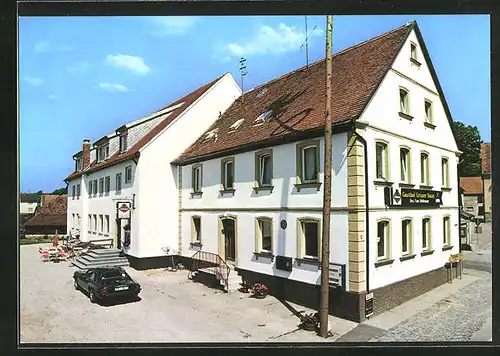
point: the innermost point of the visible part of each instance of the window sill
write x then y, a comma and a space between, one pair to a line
263, 188
427, 253
100, 234
384, 183
308, 261
226, 191
264, 254
425, 187
405, 116
429, 125
407, 257
196, 194
196, 244
414, 61
447, 248
383, 263
300, 186
406, 185
446, 189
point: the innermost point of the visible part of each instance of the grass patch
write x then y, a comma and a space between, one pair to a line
36, 240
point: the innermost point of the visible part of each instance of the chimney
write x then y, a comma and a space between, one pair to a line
86, 154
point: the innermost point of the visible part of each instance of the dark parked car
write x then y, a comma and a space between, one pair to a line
106, 283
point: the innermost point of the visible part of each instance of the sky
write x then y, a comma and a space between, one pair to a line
82, 77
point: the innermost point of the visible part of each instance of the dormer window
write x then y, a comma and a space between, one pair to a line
78, 164
262, 92
102, 152
211, 134
123, 141
236, 125
263, 117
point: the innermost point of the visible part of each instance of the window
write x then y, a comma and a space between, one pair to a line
101, 223
73, 190
101, 186
382, 239
106, 224
107, 184
95, 186
428, 111
128, 174
78, 191
90, 222
118, 182
196, 229
123, 142
426, 233
424, 168
444, 172
102, 152
381, 160
406, 233
228, 174
310, 241
90, 188
196, 177
446, 231
405, 165
235, 125
263, 117
413, 51
78, 164
73, 220
264, 235
78, 220
95, 222
404, 101
263, 168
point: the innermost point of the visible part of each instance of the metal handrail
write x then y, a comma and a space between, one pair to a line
212, 262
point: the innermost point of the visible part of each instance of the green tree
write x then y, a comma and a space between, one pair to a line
60, 191
469, 142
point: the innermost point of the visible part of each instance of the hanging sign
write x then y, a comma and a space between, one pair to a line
413, 197
123, 210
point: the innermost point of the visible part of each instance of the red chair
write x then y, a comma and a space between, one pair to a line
61, 254
44, 255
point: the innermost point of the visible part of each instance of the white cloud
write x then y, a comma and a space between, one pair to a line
33, 80
135, 64
45, 46
270, 41
78, 67
54, 96
113, 87
172, 25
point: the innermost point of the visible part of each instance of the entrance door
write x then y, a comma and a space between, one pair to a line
229, 239
118, 235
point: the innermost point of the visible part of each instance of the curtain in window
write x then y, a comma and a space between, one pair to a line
402, 101
310, 169
423, 168
405, 235
424, 233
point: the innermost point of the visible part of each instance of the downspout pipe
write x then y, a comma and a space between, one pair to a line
367, 212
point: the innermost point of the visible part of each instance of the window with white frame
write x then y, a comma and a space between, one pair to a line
426, 233
424, 168
128, 174
102, 152
95, 223
446, 231
95, 187
101, 224
264, 169
383, 236
406, 236
106, 224
228, 174
428, 111
405, 165
118, 182
123, 142
444, 172
404, 98
73, 191
78, 191
196, 178
381, 154
413, 51
264, 238
101, 186
90, 188
107, 185
78, 164
309, 243
196, 229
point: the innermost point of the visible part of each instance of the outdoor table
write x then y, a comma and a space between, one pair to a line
53, 253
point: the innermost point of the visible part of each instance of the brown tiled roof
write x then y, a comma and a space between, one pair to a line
472, 185
47, 198
51, 214
298, 98
186, 101
486, 158
28, 198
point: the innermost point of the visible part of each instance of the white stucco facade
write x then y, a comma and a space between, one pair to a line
27, 208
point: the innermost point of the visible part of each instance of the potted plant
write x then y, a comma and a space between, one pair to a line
309, 321
258, 291
245, 286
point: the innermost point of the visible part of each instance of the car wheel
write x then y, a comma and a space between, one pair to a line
75, 283
92, 296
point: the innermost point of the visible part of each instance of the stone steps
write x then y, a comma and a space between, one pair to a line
101, 258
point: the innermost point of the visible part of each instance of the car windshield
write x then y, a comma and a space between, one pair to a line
113, 274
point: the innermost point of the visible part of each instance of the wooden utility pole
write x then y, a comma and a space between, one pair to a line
327, 190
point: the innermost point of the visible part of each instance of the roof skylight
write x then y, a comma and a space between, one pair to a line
262, 92
236, 125
263, 117
211, 134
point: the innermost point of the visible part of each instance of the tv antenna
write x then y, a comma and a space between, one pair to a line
243, 71
305, 42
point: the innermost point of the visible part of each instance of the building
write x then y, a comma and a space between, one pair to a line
486, 176
47, 198
28, 203
473, 199
48, 219
252, 185
124, 187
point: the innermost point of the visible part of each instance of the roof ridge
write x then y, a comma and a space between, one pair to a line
333, 55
